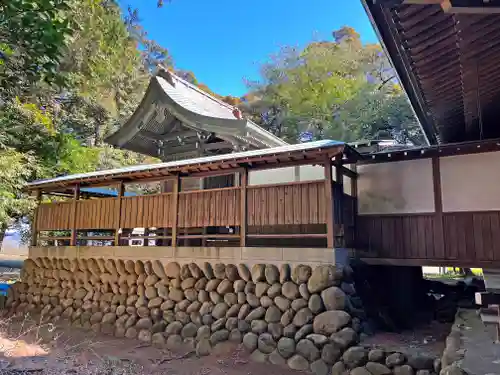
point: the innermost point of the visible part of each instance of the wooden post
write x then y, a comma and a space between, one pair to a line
339, 181
354, 195
354, 184
34, 230
243, 207
76, 197
330, 227
175, 209
204, 229
118, 213
438, 203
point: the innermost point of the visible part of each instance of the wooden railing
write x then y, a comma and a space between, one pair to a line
96, 213
54, 216
209, 208
294, 205
146, 211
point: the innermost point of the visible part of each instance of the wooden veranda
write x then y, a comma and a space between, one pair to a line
300, 213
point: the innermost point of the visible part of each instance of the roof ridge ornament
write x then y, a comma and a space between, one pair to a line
237, 113
165, 73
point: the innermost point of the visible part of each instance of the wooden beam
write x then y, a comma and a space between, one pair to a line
330, 227
423, 262
487, 298
192, 147
175, 209
121, 192
347, 172
423, 2
448, 7
34, 229
167, 136
217, 146
243, 206
289, 235
262, 161
74, 213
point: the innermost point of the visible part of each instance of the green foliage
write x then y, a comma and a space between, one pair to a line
70, 72
32, 39
15, 169
337, 89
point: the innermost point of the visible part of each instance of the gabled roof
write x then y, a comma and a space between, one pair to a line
175, 114
446, 54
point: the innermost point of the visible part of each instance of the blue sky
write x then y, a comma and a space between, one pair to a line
223, 42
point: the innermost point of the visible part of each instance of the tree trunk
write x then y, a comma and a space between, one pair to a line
3, 229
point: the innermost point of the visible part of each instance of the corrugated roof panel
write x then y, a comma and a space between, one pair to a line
194, 99
202, 160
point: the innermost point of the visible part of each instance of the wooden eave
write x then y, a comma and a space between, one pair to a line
450, 149
447, 63
199, 168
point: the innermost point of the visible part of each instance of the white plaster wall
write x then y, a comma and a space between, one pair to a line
471, 182
271, 176
290, 174
396, 187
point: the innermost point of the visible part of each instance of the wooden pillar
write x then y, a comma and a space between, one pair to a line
204, 229
340, 202
243, 207
354, 195
438, 204
34, 228
175, 209
354, 185
330, 227
118, 212
74, 213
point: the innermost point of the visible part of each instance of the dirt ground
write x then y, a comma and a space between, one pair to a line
427, 340
29, 347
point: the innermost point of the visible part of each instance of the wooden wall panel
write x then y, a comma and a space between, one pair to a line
294, 203
146, 211
462, 237
209, 208
52, 216
397, 236
96, 213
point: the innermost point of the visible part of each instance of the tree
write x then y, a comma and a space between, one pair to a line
32, 39
338, 89
60, 97
15, 169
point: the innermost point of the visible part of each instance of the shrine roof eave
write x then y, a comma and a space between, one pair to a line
160, 97
276, 157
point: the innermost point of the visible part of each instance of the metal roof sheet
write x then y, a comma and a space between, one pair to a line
203, 160
194, 99
169, 96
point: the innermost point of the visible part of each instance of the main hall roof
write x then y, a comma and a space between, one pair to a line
446, 54
177, 120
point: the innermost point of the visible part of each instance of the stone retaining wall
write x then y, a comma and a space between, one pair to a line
304, 317
197, 255
454, 352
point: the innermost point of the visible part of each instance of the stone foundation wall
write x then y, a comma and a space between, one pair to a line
198, 255
451, 360
307, 318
